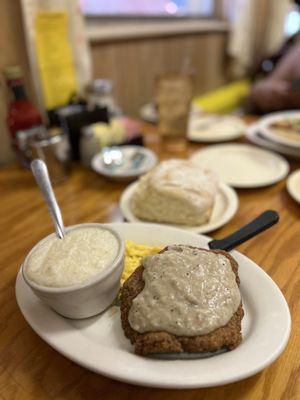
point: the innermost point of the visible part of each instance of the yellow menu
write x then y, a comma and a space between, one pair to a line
55, 58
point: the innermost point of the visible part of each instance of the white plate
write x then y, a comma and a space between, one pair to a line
125, 171
255, 136
242, 165
293, 185
211, 128
99, 344
225, 207
265, 122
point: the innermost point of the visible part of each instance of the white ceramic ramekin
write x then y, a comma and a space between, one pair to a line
83, 300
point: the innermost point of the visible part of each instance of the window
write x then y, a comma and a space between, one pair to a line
128, 19
148, 8
292, 21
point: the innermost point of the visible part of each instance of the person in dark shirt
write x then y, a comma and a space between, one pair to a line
281, 89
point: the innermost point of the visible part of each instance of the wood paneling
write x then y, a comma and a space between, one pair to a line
133, 65
12, 52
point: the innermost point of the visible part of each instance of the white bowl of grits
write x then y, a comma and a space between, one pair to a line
78, 276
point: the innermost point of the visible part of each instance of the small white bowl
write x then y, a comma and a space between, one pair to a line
127, 171
83, 300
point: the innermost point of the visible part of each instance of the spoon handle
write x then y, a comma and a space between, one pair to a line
259, 224
40, 172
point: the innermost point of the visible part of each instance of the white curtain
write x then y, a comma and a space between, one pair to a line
257, 29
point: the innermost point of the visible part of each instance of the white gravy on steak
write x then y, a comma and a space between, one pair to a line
187, 292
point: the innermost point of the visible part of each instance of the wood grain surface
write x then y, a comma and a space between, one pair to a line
142, 60
30, 369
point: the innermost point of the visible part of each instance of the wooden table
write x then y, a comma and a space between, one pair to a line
30, 369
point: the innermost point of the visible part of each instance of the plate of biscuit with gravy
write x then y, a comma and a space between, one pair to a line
182, 194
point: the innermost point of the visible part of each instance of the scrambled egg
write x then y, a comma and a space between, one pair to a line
134, 253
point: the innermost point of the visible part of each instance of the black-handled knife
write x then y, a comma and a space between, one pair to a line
259, 224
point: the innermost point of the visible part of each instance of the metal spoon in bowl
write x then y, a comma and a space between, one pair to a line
113, 158
40, 172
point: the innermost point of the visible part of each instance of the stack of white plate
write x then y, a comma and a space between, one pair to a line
282, 141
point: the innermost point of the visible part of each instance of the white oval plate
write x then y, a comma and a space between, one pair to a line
254, 135
125, 171
225, 207
215, 128
293, 185
264, 125
242, 165
99, 344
